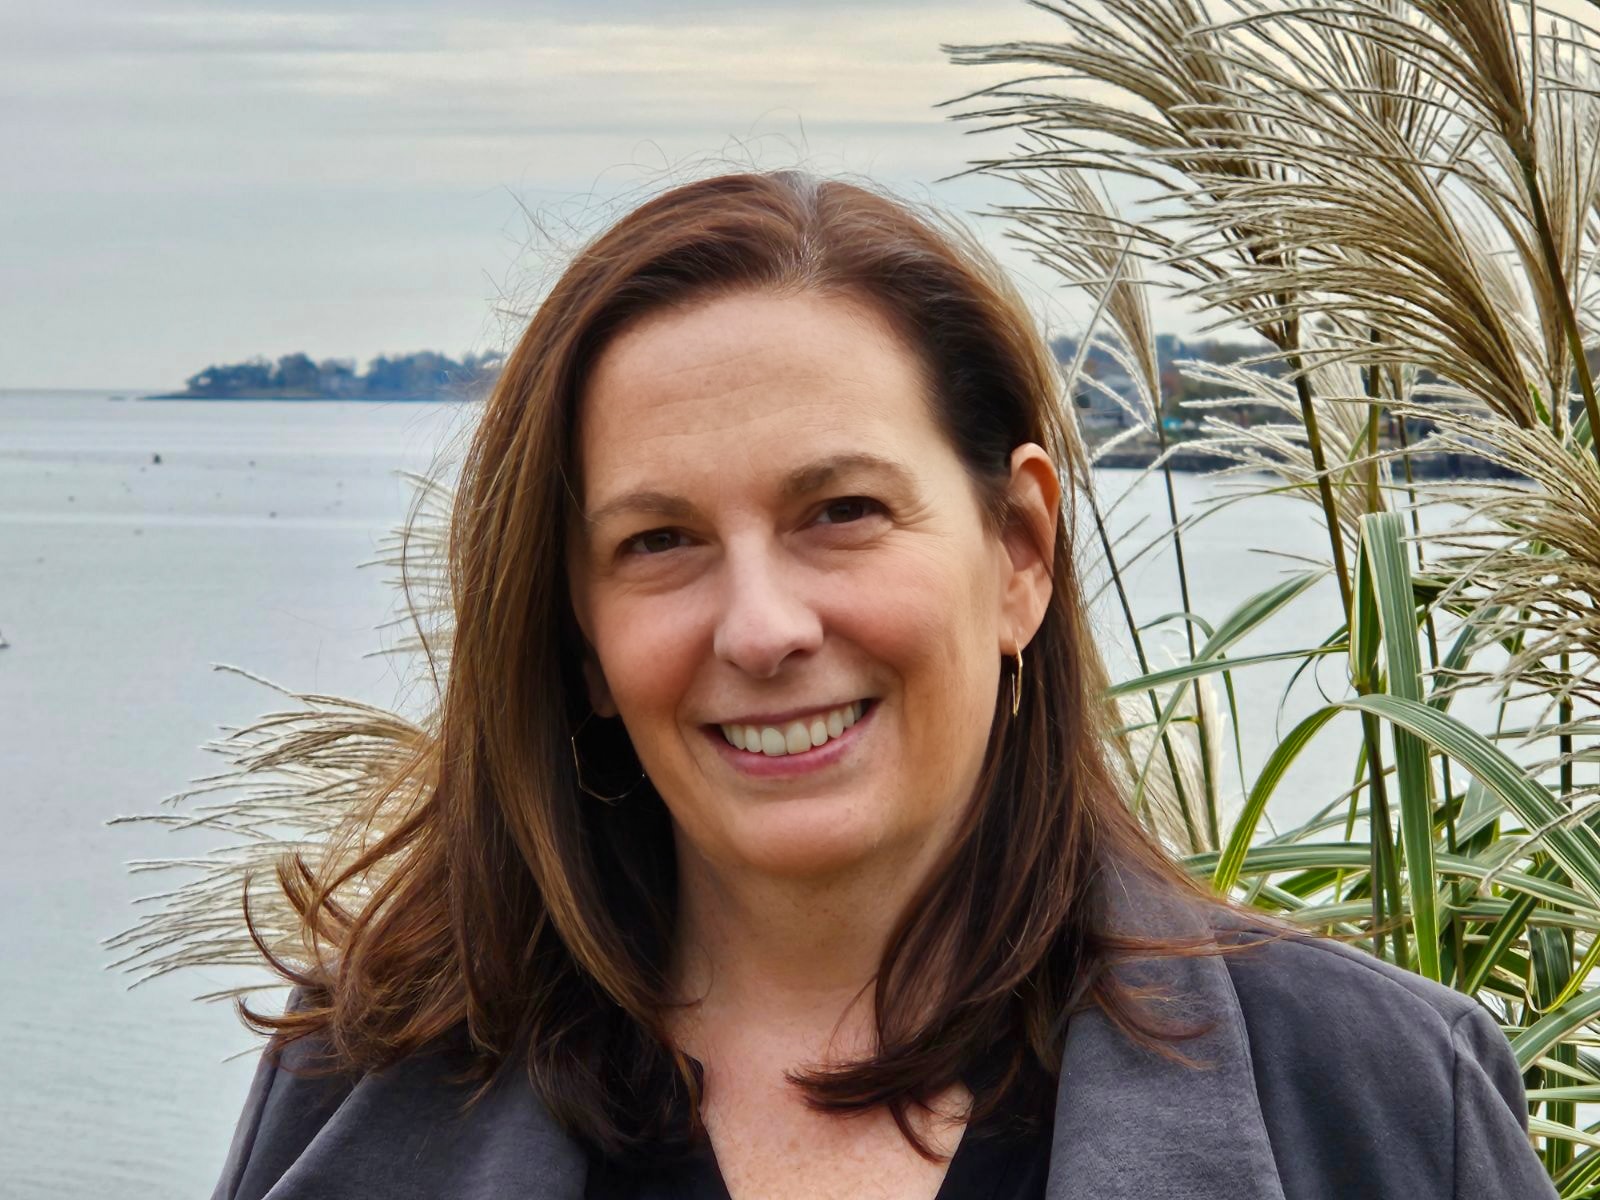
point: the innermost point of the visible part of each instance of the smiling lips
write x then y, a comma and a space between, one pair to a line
794, 737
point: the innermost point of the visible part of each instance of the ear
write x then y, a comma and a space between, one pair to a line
1034, 510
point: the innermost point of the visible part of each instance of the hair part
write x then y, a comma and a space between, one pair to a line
505, 899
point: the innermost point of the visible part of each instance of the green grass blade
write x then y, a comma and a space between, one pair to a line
1319, 858
1194, 619
1366, 633
1579, 1176
1478, 809
1587, 1094
1540, 1127
1244, 826
1503, 936
1256, 610
1194, 670
1574, 848
1580, 973
1383, 555
1550, 1029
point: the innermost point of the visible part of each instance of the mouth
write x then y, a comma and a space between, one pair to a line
800, 736
843, 726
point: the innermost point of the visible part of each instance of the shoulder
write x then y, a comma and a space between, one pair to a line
1301, 980
402, 1131
1313, 1006
1350, 1052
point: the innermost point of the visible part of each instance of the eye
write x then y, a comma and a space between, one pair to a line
847, 509
653, 541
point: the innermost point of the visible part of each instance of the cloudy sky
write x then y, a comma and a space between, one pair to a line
192, 182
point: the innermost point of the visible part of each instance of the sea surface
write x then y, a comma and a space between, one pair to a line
144, 542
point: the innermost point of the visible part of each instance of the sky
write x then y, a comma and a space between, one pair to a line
193, 183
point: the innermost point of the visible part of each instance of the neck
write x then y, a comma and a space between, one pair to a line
796, 958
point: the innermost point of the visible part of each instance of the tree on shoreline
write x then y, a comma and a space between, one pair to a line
425, 373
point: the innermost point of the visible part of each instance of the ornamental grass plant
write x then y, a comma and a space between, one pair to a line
1400, 200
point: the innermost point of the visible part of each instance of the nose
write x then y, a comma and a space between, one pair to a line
763, 621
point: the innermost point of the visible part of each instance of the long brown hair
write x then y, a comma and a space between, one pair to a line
507, 898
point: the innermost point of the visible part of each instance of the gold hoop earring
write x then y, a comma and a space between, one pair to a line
1016, 686
577, 767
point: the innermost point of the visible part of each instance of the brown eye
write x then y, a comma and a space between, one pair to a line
656, 541
847, 509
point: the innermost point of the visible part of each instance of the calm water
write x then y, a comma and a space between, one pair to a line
121, 581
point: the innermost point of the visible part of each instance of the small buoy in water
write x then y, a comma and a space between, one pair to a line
155, 458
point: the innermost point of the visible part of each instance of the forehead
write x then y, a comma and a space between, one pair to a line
750, 382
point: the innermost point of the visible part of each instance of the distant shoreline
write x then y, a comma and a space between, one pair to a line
1432, 464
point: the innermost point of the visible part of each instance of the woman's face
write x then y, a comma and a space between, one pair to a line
780, 547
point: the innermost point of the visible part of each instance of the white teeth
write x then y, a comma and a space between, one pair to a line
796, 737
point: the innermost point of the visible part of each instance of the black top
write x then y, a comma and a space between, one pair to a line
988, 1164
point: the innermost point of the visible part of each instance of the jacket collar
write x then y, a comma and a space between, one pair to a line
1131, 1124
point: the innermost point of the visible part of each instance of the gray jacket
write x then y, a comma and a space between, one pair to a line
1332, 1075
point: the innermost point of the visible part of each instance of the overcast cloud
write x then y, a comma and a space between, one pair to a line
197, 183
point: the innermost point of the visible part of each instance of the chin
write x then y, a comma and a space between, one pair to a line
813, 841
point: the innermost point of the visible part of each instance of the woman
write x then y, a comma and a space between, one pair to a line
768, 844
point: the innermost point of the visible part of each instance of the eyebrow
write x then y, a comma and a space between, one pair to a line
802, 481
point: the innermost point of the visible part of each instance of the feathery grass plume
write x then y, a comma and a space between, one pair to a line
1408, 225
1539, 163
1462, 255
294, 781
1166, 77
1529, 553
417, 549
1073, 232
1274, 456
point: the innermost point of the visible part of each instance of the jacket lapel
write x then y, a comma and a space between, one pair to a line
1130, 1124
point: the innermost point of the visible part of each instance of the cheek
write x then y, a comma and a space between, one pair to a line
649, 652
935, 621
